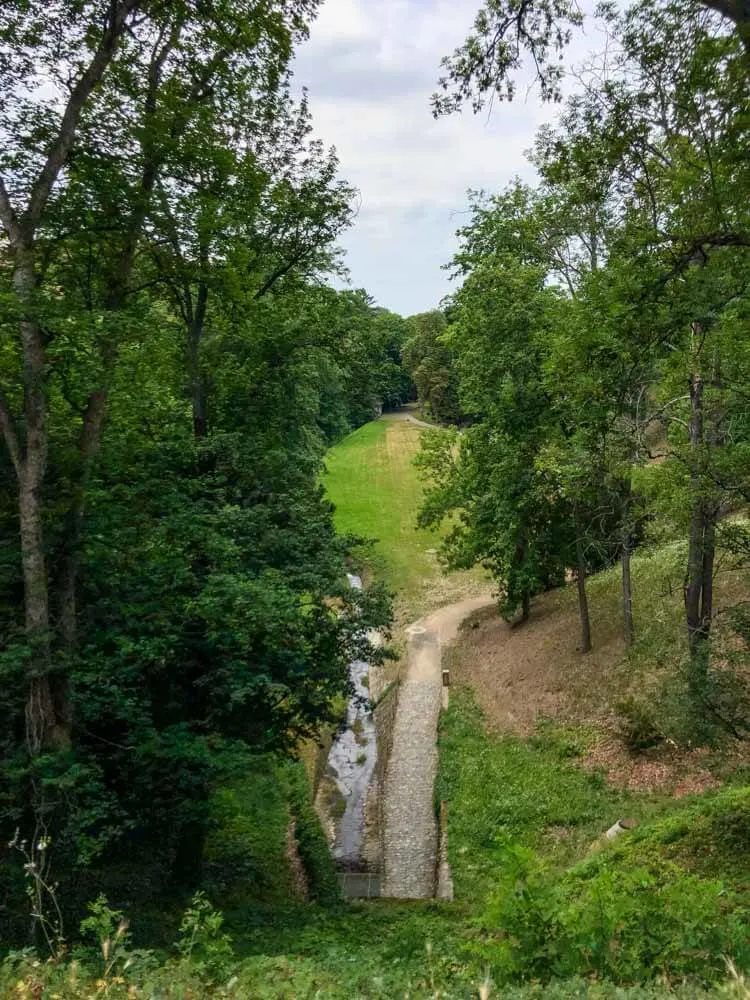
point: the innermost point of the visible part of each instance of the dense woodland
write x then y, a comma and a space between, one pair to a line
175, 361
173, 367
599, 335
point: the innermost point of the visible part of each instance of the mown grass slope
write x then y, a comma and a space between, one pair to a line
371, 480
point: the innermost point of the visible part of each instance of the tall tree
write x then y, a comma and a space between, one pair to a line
106, 128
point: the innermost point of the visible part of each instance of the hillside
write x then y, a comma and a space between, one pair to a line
531, 782
535, 672
262, 735
371, 479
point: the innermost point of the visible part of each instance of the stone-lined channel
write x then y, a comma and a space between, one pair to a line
351, 765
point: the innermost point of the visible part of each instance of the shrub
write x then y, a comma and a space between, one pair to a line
322, 879
638, 726
627, 925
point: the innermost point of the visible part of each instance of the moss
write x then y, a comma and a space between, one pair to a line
246, 850
322, 880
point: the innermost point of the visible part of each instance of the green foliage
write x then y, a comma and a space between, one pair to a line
245, 853
320, 871
626, 924
638, 727
202, 944
505, 793
670, 897
505, 35
280, 977
509, 513
599, 334
428, 358
174, 611
192, 365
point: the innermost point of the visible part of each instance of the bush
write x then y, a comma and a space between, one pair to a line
671, 898
322, 879
247, 860
245, 853
638, 726
619, 923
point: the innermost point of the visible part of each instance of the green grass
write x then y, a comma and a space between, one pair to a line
523, 819
538, 913
371, 480
503, 791
246, 853
671, 898
375, 489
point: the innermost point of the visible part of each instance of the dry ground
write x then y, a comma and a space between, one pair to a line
535, 670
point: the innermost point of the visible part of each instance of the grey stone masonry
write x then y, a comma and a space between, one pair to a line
411, 835
410, 839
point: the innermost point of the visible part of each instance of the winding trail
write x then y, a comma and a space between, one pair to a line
411, 836
406, 415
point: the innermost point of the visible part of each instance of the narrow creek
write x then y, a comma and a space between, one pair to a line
351, 763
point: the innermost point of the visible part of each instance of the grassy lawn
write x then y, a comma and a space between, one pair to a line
371, 480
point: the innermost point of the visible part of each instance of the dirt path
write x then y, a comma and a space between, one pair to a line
409, 418
411, 840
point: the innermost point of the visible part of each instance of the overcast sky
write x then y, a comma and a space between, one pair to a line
370, 67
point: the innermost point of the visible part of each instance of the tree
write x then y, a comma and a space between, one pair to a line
640, 220
429, 360
164, 387
508, 32
143, 76
508, 515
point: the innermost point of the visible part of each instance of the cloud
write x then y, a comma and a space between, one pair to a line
370, 67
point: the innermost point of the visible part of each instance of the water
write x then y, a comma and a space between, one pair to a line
351, 763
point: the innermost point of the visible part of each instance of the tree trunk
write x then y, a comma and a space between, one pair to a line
707, 570
88, 445
700, 559
45, 725
526, 608
627, 592
583, 604
197, 381
47, 706
43, 729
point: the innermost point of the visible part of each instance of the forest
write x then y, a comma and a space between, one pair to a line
179, 353
599, 340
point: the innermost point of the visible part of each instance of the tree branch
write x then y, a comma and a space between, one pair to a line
60, 149
8, 216
11, 438
280, 272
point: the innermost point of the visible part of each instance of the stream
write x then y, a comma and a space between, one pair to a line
351, 763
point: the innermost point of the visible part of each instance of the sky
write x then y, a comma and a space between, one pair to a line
370, 67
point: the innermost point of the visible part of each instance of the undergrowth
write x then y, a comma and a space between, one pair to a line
671, 899
544, 907
246, 850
